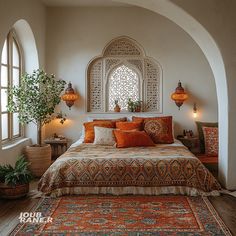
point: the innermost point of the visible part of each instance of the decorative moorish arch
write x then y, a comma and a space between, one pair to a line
127, 53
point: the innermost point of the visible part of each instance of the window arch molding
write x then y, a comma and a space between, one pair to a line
123, 51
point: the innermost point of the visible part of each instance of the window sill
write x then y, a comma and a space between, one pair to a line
14, 143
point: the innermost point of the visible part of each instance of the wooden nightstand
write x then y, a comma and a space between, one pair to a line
59, 146
192, 143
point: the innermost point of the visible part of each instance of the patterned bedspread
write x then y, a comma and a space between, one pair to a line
89, 165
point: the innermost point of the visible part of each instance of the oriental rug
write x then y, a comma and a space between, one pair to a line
125, 215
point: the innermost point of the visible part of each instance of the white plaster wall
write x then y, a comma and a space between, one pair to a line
33, 12
219, 18
76, 35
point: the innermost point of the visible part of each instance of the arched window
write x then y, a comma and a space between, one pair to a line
11, 69
123, 84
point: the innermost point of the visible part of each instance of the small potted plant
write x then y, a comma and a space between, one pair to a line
117, 107
138, 106
130, 105
36, 98
14, 181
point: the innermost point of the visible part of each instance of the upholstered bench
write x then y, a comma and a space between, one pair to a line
207, 159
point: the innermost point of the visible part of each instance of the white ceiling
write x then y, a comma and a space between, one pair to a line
83, 3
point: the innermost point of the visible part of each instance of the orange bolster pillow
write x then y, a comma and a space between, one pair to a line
125, 139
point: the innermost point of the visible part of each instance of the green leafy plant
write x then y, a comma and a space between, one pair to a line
35, 99
134, 106
17, 175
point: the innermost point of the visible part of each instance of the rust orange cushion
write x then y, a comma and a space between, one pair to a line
211, 140
129, 125
158, 128
89, 129
125, 139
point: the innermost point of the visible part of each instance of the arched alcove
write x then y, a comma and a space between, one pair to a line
209, 47
28, 44
31, 61
124, 51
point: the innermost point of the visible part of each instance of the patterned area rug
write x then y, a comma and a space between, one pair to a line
126, 215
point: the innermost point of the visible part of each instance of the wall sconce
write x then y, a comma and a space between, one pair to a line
194, 110
70, 96
179, 96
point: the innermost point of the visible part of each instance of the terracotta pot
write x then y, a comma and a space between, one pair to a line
39, 158
13, 192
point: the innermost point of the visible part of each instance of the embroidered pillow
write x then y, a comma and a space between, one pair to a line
211, 140
125, 139
104, 136
200, 125
158, 128
89, 129
129, 125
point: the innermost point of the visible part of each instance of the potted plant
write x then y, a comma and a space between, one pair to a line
138, 106
14, 181
35, 99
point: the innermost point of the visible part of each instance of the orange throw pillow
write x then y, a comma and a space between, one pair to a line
129, 125
89, 129
125, 139
158, 128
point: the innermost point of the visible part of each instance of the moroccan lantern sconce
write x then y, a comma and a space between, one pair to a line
69, 96
179, 96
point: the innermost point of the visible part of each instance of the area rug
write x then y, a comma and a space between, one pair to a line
125, 215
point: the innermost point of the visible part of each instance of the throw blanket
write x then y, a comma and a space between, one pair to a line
94, 166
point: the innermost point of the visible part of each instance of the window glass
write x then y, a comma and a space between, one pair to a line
15, 55
16, 125
3, 100
16, 74
4, 76
4, 126
4, 53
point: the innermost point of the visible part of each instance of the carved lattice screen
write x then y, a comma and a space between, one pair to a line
121, 58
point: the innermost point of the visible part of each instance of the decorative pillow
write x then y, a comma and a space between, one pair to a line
200, 132
114, 120
125, 139
158, 128
129, 125
211, 140
104, 136
89, 129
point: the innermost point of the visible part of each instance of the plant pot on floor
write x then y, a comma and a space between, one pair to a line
39, 158
13, 192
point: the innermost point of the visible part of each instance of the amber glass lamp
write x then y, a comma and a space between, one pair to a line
70, 96
179, 96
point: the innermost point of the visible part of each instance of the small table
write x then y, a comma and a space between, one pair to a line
192, 143
59, 146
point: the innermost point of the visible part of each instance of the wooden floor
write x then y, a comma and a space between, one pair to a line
10, 210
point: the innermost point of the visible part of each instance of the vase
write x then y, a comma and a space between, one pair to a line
117, 108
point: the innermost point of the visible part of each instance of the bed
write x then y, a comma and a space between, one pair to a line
95, 169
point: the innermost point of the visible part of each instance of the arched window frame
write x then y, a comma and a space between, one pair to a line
10, 39
123, 50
